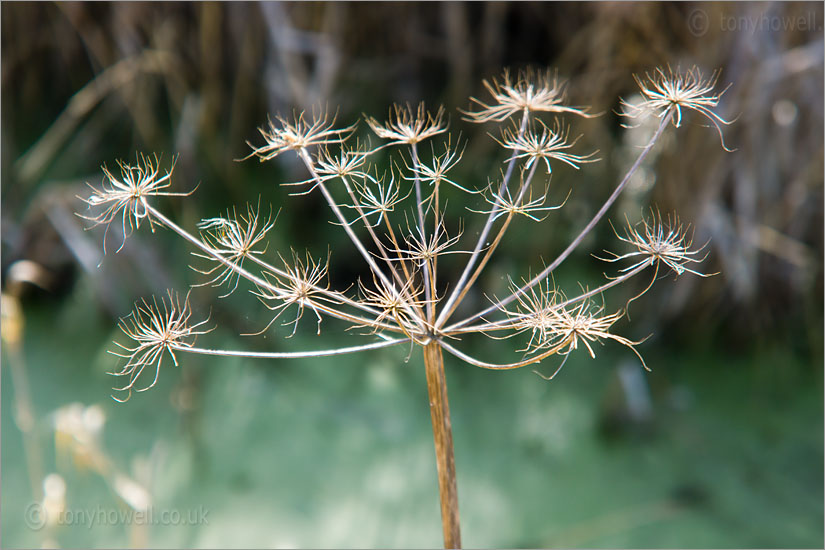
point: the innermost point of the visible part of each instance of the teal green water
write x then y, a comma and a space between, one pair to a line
338, 452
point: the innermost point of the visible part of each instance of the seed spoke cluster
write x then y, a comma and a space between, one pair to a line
660, 241
125, 197
409, 127
301, 283
395, 220
531, 91
235, 238
673, 91
156, 329
298, 134
545, 145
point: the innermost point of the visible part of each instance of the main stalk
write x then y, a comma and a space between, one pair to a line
443, 436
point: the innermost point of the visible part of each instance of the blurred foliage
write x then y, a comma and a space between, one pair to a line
87, 83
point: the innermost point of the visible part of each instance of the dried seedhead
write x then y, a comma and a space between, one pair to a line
125, 197
377, 196
347, 163
397, 225
550, 143
585, 323
398, 229
404, 306
657, 241
675, 91
299, 134
233, 239
503, 203
155, 328
303, 283
435, 172
557, 324
406, 126
426, 248
534, 313
531, 91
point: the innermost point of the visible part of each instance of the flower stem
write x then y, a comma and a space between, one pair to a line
443, 437
288, 354
461, 286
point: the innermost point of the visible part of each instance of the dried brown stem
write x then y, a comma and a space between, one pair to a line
443, 436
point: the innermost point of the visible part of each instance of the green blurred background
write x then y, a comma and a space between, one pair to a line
720, 446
